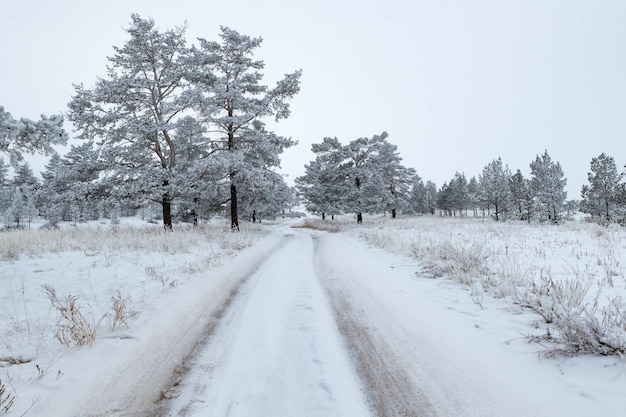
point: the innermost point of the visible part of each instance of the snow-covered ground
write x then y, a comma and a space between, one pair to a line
286, 321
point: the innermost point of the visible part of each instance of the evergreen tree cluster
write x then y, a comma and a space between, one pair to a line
367, 176
364, 176
174, 125
502, 195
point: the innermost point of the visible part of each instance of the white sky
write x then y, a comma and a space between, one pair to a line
455, 83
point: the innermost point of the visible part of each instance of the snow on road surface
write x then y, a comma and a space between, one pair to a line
307, 323
416, 348
278, 351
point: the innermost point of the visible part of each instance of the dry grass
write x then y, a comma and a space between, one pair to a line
121, 311
91, 240
571, 275
73, 327
331, 226
6, 399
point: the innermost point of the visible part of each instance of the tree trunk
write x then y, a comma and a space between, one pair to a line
234, 219
167, 213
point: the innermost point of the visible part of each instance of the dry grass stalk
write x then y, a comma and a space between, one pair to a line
6, 399
120, 311
73, 327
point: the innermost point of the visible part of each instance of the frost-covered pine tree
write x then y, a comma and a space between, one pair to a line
264, 195
15, 211
233, 102
4, 186
473, 195
324, 185
602, 197
24, 176
458, 196
547, 185
71, 189
134, 114
521, 196
4, 171
82, 175
25, 135
395, 178
444, 204
22, 193
431, 197
494, 186
53, 206
364, 174
418, 197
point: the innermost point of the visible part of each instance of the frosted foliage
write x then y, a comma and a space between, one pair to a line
548, 186
494, 182
603, 197
364, 176
179, 124
25, 135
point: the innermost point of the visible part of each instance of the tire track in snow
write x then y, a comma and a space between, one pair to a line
154, 362
390, 390
278, 351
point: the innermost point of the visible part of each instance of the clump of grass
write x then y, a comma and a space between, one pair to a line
466, 262
318, 224
578, 324
121, 311
73, 327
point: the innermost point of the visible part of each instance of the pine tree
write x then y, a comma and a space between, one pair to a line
444, 200
473, 195
324, 185
431, 197
81, 172
395, 178
54, 208
24, 176
417, 197
232, 103
601, 198
521, 196
364, 175
458, 197
4, 186
135, 112
494, 185
547, 185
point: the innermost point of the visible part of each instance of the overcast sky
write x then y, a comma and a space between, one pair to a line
455, 83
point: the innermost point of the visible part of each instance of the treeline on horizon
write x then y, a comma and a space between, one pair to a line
180, 127
367, 176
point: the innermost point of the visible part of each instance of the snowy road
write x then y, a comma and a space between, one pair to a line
322, 328
277, 351
307, 323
